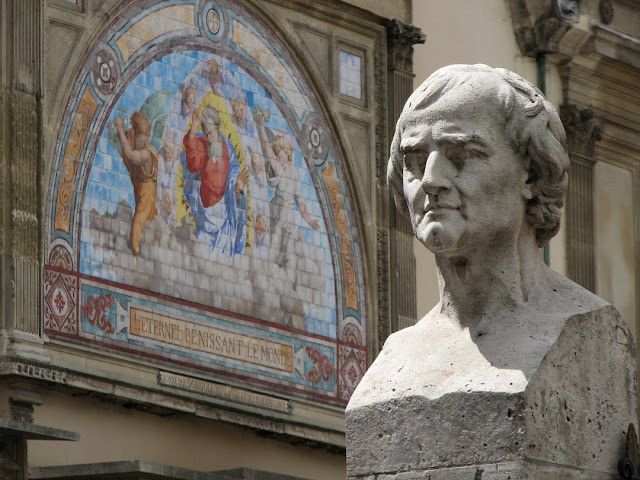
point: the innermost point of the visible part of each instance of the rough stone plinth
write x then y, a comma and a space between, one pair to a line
568, 418
497, 471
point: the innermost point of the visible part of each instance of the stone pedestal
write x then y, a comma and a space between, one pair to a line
565, 417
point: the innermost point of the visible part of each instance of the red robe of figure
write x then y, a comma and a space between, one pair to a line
213, 175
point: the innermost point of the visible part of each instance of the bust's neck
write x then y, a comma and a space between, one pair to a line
482, 283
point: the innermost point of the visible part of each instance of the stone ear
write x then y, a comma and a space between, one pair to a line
529, 190
531, 186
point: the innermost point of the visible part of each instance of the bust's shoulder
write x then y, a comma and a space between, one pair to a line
566, 297
423, 329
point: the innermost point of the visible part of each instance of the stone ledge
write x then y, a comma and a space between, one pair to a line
305, 423
141, 470
616, 45
31, 431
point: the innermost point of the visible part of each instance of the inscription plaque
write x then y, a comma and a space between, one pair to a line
224, 392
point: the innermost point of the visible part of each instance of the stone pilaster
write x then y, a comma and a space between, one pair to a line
583, 130
400, 40
13, 458
20, 171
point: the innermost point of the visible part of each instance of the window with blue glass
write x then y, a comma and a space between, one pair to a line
350, 74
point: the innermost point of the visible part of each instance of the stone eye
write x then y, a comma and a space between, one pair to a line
459, 153
416, 160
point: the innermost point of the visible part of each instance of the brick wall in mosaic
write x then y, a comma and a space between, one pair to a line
198, 212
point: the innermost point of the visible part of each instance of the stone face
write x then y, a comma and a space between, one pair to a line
518, 372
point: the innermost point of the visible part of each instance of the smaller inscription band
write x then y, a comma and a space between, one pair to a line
224, 392
34, 371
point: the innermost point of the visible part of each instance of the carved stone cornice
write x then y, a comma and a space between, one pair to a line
540, 25
583, 130
401, 37
571, 27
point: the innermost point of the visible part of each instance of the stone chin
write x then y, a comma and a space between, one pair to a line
439, 238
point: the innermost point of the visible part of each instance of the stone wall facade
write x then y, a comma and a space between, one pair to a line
125, 282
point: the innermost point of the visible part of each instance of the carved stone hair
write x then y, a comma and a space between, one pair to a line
532, 124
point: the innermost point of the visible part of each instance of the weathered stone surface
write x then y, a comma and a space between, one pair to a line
412, 433
497, 471
573, 411
516, 363
581, 399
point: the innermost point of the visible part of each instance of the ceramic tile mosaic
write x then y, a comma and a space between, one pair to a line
198, 207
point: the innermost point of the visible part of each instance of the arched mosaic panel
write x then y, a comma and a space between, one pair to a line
199, 217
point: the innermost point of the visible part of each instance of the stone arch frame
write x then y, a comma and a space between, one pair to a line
353, 339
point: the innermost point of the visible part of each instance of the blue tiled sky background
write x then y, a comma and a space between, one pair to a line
109, 182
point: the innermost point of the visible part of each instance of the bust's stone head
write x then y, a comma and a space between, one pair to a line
478, 158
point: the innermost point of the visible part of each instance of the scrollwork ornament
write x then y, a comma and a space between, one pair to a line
606, 11
72, 157
323, 369
95, 309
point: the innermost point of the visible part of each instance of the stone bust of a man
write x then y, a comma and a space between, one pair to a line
499, 369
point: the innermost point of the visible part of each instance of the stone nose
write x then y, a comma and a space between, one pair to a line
438, 171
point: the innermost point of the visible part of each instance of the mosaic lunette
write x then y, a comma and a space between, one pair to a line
230, 213
225, 203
